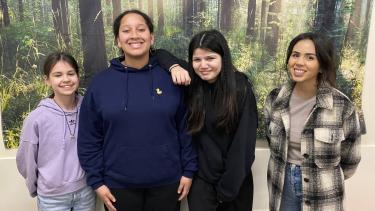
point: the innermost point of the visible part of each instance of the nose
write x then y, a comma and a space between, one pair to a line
204, 64
133, 33
300, 60
66, 78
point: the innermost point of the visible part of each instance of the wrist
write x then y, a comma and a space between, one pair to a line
173, 66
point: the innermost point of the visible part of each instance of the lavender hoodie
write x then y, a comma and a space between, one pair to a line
47, 157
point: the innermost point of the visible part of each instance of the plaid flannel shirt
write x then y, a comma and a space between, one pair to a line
330, 145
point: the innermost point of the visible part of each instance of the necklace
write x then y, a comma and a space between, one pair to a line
72, 132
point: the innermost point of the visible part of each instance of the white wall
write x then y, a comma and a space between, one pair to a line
14, 196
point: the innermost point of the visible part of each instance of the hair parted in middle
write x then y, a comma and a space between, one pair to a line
224, 93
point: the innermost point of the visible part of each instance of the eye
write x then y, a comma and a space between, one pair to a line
295, 55
310, 58
72, 73
142, 29
196, 59
56, 74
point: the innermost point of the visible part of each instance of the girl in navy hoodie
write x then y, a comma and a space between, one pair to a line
132, 140
47, 156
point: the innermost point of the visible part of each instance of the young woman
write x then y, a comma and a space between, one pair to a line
312, 129
47, 156
132, 139
222, 117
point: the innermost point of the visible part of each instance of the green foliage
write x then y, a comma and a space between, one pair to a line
19, 95
174, 41
351, 76
21, 83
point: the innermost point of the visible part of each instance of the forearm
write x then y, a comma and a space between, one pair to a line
26, 163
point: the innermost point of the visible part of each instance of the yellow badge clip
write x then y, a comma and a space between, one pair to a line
158, 91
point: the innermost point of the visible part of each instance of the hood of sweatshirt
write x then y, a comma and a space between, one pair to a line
128, 71
51, 105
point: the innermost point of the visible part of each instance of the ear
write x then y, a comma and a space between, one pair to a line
152, 39
118, 42
46, 80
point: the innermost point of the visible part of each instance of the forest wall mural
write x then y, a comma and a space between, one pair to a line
258, 32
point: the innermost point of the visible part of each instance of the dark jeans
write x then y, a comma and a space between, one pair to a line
164, 198
292, 193
202, 197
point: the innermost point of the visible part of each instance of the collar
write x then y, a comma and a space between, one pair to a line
324, 96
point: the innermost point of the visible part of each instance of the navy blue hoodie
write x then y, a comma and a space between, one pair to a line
132, 129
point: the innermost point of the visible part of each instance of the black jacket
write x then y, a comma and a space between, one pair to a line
225, 159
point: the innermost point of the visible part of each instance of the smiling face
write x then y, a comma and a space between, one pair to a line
206, 64
303, 64
63, 79
134, 37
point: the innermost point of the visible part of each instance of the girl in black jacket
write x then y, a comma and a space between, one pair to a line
222, 117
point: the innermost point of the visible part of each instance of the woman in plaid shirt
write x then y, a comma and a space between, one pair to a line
313, 131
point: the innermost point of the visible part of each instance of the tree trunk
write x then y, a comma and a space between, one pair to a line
41, 4
189, 17
116, 8
273, 22
250, 30
108, 16
150, 9
198, 10
93, 45
366, 28
60, 20
263, 21
226, 15
20, 9
160, 17
325, 16
354, 25
1, 15
34, 9
5, 11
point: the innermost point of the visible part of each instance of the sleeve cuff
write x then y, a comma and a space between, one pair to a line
188, 174
96, 185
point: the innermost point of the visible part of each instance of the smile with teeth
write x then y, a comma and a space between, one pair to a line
135, 44
298, 72
66, 86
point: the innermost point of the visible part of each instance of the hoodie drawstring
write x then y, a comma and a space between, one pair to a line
152, 82
126, 88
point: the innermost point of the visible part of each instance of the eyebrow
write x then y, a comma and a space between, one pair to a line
211, 54
136, 25
309, 54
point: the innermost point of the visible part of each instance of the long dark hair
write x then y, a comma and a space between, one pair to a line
325, 53
224, 92
55, 57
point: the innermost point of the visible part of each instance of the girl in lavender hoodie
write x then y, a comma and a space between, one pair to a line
47, 157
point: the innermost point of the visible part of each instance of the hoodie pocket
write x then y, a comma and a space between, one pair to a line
327, 146
146, 165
